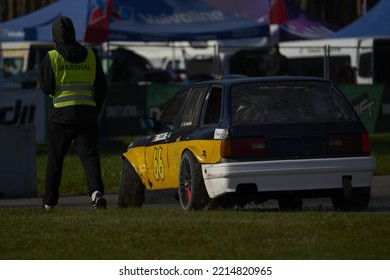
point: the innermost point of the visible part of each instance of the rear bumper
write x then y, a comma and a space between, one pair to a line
288, 175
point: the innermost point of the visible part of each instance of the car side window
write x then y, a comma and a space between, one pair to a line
213, 107
171, 115
193, 107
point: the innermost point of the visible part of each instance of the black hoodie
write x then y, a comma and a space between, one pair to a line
64, 38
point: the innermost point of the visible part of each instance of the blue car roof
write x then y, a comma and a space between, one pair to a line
233, 79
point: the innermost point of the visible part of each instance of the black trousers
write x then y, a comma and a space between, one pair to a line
60, 137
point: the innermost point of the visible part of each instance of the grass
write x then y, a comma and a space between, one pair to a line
150, 233
175, 234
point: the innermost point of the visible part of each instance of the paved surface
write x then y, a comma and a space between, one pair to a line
380, 200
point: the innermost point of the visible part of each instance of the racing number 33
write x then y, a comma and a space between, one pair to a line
158, 164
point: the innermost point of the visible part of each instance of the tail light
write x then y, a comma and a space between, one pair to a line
245, 147
348, 144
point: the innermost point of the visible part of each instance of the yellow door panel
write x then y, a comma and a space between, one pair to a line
159, 165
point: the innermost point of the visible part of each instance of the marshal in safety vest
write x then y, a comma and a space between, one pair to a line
74, 81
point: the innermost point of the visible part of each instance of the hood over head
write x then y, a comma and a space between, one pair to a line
64, 37
63, 31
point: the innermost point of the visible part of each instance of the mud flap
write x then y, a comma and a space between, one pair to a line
347, 187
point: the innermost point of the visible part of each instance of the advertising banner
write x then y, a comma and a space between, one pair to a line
159, 96
24, 107
126, 104
123, 108
372, 103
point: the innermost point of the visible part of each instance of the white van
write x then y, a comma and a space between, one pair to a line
353, 60
21, 61
23, 56
174, 56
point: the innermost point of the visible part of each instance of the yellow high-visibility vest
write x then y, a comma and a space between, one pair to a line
74, 81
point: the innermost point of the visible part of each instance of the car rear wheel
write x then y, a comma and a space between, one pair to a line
192, 191
359, 201
132, 191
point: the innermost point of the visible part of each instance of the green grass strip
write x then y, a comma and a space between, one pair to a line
133, 234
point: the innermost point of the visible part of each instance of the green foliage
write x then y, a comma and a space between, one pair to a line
151, 233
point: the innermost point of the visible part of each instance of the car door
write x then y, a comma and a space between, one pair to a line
180, 139
156, 153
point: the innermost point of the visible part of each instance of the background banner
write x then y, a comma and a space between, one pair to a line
372, 103
24, 107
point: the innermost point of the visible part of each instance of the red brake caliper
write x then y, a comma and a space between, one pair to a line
188, 189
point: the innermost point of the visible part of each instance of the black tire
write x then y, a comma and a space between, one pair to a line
192, 191
359, 201
132, 191
290, 203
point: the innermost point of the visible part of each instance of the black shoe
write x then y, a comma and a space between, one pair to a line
99, 202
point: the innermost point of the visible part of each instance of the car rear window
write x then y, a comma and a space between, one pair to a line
289, 102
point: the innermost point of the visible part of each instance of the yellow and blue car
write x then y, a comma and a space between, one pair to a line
239, 140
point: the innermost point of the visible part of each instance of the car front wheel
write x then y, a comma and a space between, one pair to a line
192, 191
132, 191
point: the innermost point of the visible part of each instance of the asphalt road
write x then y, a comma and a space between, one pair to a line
380, 200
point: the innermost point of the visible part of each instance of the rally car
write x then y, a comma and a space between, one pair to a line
237, 140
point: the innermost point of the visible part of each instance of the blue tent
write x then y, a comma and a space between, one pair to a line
302, 26
36, 26
143, 20
175, 20
374, 23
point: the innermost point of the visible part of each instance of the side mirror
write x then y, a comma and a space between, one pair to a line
149, 124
